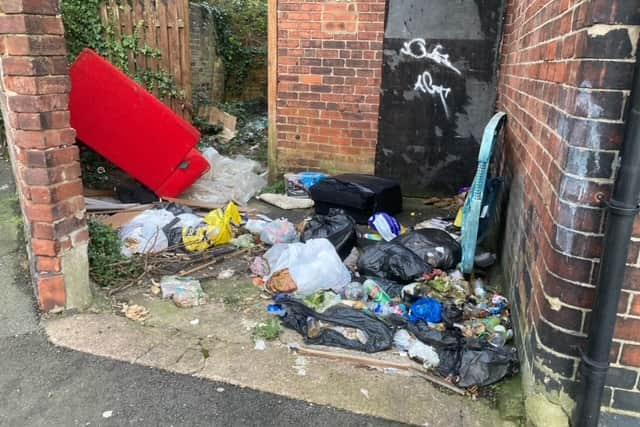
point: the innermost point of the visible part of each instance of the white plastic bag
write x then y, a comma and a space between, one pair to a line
144, 234
228, 179
279, 231
313, 265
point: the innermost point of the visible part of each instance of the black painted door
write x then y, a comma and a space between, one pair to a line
438, 91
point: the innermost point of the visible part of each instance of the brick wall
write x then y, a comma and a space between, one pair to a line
329, 76
34, 88
207, 68
565, 76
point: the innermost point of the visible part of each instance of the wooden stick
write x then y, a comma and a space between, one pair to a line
215, 261
203, 205
378, 363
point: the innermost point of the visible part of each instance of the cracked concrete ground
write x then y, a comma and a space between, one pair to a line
220, 347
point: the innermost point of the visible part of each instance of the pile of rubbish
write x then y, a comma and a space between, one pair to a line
336, 287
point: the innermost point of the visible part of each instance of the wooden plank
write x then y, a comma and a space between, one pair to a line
150, 18
139, 22
163, 39
204, 205
120, 219
104, 18
115, 19
272, 97
174, 46
185, 56
127, 30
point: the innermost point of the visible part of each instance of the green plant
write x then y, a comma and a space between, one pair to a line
83, 27
108, 267
269, 330
241, 27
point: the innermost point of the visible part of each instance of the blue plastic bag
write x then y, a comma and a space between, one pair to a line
426, 309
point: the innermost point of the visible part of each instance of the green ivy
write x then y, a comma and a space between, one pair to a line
84, 29
241, 27
108, 267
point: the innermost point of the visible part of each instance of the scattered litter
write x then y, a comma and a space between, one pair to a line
243, 242
135, 312
285, 202
217, 229
365, 392
279, 231
237, 179
220, 390
145, 233
226, 274
184, 291
195, 322
260, 267
260, 345
337, 227
107, 414
301, 366
386, 226
256, 226
298, 184
313, 265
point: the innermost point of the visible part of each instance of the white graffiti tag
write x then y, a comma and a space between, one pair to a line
417, 48
425, 85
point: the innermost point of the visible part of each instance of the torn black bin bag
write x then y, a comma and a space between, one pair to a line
337, 227
483, 365
379, 336
392, 261
471, 361
448, 344
435, 247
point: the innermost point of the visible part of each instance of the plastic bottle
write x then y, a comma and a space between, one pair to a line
354, 292
375, 292
386, 309
478, 288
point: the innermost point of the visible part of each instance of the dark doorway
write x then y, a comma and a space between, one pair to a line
438, 91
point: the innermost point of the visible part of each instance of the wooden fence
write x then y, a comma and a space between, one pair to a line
165, 27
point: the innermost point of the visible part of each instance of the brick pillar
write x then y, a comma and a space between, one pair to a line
566, 72
34, 88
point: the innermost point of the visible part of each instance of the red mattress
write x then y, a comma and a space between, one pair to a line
123, 122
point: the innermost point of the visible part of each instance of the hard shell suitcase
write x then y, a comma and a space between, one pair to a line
360, 196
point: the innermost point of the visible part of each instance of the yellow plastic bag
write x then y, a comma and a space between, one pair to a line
217, 231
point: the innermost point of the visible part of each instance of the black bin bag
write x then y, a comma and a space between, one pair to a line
337, 227
379, 336
435, 247
360, 196
393, 262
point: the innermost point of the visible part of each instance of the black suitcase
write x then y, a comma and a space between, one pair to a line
360, 196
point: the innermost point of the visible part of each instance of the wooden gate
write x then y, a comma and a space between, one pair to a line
165, 26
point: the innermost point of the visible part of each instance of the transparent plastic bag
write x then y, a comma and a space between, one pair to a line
313, 265
237, 179
279, 231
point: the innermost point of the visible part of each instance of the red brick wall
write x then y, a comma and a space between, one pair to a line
329, 75
34, 87
566, 71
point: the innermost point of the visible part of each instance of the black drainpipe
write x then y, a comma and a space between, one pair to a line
622, 210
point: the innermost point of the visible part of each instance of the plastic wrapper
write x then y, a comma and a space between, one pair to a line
393, 262
313, 265
435, 247
337, 320
337, 227
279, 231
228, 179
185, 292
